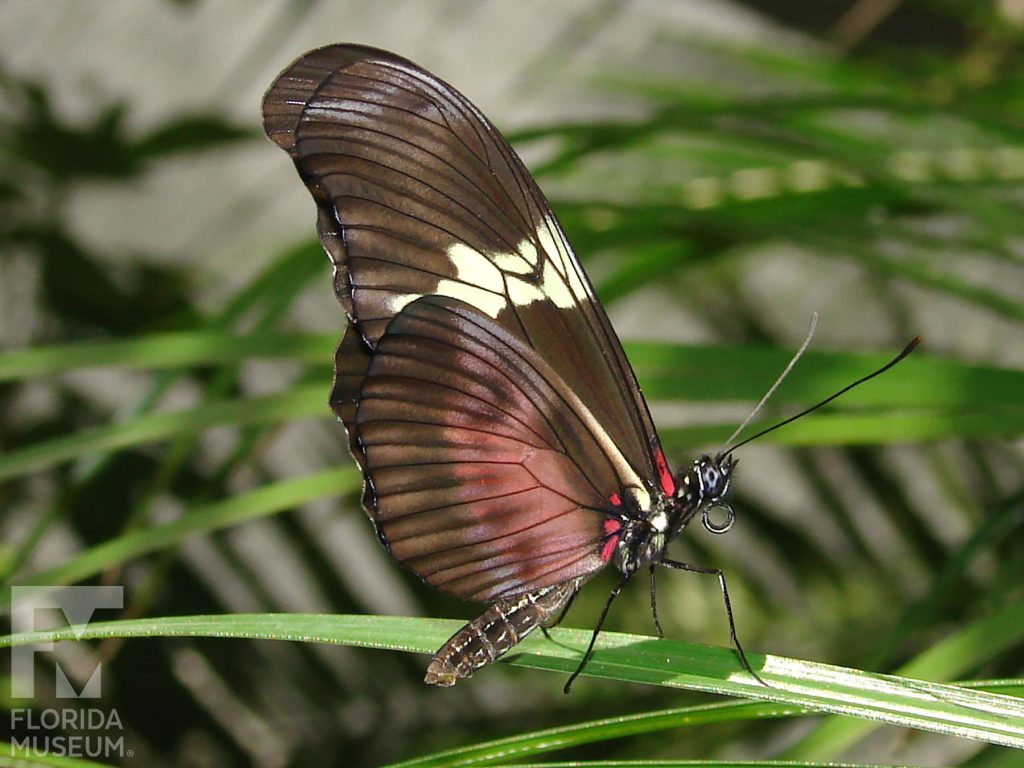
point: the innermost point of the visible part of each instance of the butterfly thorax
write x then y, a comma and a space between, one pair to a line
645, 533
643, 538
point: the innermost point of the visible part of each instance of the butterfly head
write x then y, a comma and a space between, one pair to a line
702, 488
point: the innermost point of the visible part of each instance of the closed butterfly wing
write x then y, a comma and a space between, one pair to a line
419, 195
489, 477
486, 398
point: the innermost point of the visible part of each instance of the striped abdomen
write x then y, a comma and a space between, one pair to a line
496, 630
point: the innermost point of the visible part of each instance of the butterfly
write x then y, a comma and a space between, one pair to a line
508, 454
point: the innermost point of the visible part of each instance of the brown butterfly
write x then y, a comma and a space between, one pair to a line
507, 451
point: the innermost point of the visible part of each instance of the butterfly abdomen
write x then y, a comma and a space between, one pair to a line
496, 631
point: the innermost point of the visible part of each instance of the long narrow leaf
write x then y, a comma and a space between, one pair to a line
15, 755
677, 371
165, 350
946, 660
304, 402
267, 500
551, 739
906, 702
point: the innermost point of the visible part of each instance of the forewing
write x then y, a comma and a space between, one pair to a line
419, 195
486, 476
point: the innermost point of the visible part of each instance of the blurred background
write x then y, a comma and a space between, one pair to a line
724, 170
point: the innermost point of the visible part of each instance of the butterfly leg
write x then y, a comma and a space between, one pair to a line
728, 609
544, 627
597, 631
654, 605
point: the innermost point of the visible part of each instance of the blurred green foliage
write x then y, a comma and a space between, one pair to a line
892, 151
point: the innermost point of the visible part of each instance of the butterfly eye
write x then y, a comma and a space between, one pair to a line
712, 479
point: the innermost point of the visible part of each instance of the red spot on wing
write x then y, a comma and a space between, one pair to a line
668, 485
611, 532
615, 500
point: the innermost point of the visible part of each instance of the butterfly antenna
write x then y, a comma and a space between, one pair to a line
911, 346
767, 395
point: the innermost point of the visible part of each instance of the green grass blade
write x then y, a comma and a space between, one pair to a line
900, 701
303, 402
266, 500
978, 642
307, 402
16, 756
732, 373
678, 371
1007, 686
540, 742
164, 350
697, 764
874, 428
647, 263
534, 743
949, 399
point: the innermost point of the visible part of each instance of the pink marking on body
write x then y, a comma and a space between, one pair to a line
668, 485
611, 531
